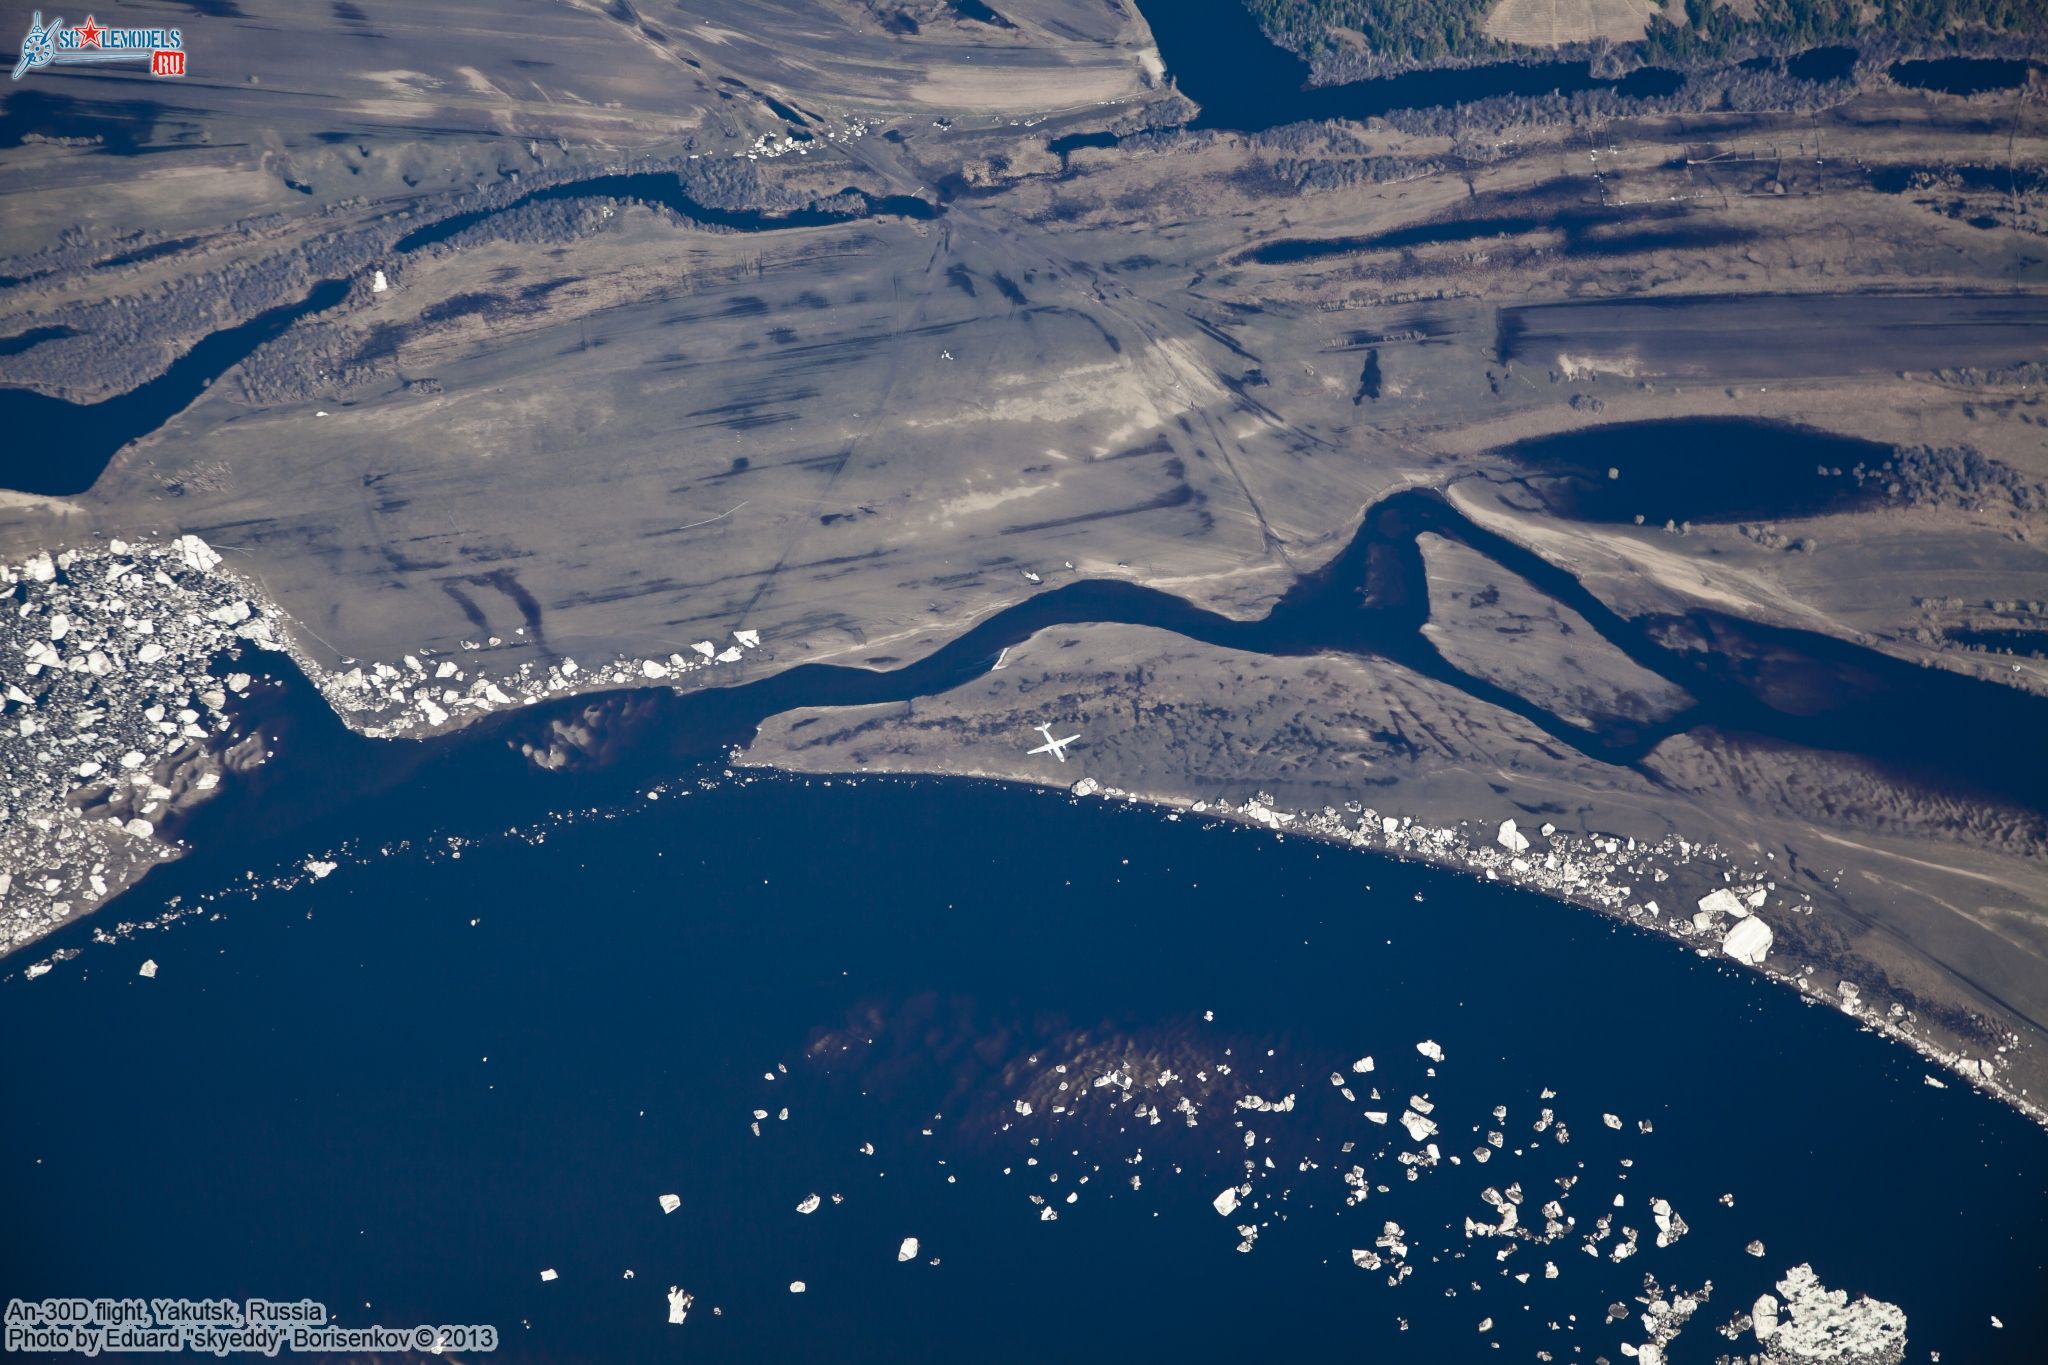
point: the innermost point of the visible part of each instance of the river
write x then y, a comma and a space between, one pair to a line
410, 1088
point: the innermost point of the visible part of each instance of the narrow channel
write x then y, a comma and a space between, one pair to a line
1941, 730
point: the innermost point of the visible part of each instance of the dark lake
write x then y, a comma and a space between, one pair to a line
1221, 59
1961, 75
58, 448
1651, 471
32, 337
1822, 64
408, 1089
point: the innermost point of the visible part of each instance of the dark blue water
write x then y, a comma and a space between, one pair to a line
907, 951
1626, 472
1961, 75
1822, 64
33, 337
1934, 729
300, 1103
58, 448
1221, 59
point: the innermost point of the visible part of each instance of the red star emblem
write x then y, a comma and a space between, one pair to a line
89, 33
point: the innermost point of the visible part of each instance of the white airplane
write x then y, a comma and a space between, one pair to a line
1056, 747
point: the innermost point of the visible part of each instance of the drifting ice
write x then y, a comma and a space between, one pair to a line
1749, 942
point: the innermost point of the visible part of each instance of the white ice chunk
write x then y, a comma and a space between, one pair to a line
750, 638
1749, 942
1722, 901
1512, 839
547, 1275
1430, 1050
678, 1300
1226, 1202
1822, 1324
1764, 1316
671, 1202
148, 968
809, 1204
196, 553
907, 1251
1362, 1065
1418, 1127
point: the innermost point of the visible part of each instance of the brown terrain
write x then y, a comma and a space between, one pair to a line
601, 428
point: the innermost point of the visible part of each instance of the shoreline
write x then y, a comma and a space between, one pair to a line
1449, 849
220, 611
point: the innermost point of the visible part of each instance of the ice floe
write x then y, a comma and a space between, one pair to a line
1749, 942
1822, 1324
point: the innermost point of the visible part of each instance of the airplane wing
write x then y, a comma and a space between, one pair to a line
1045, 748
